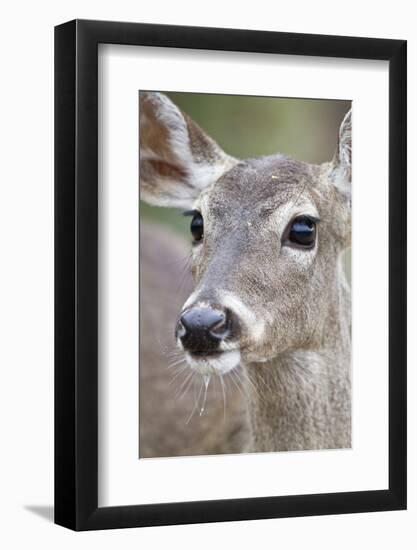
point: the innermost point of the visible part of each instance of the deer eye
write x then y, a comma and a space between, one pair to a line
197, 226
302, 232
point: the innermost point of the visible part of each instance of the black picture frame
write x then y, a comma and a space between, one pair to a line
76, 272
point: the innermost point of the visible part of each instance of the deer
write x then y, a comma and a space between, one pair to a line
270, 296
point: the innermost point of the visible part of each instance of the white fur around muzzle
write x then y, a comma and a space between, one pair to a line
219, 364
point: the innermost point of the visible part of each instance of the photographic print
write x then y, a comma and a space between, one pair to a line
245, 233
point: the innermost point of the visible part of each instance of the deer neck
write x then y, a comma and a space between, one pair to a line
301, 399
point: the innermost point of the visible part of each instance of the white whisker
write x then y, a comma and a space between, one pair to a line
177, 375
196, 402
224, 397
184, 382
187, 386
176, 363
234, 377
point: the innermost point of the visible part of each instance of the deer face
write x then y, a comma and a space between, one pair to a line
267, 234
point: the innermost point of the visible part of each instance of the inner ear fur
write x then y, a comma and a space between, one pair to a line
341, 166
177, 158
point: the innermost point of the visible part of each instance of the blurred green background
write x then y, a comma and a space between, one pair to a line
246, 127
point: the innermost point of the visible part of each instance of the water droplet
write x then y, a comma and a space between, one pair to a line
206, 379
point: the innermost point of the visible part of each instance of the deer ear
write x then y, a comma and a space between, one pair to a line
177, 159
341, 166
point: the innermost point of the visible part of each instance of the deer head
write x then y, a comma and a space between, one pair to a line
267, 234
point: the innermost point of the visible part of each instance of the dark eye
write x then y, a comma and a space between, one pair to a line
197, 227
303, 232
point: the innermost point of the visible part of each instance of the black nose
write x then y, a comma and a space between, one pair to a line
202, 329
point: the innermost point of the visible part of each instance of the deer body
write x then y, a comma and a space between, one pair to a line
302, 398
270, 296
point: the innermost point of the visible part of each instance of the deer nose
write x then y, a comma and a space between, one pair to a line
201, 330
